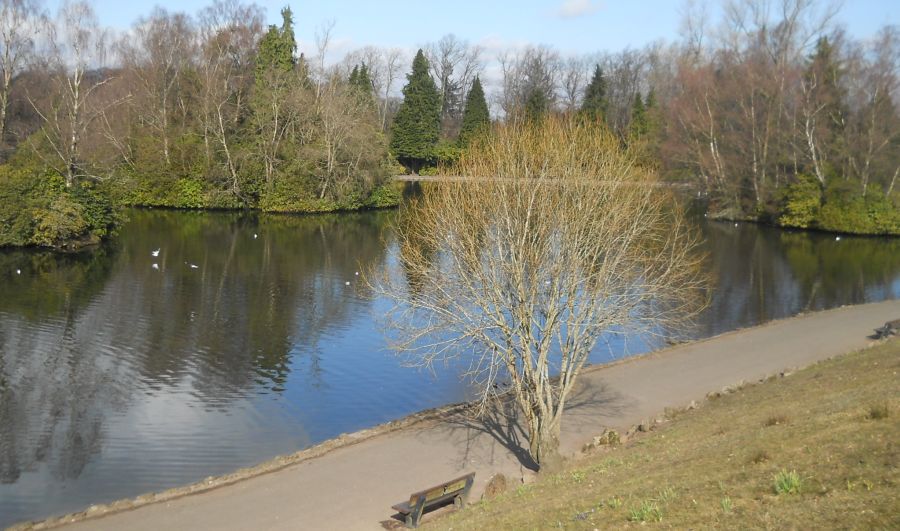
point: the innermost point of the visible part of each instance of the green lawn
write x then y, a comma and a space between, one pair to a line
818, 449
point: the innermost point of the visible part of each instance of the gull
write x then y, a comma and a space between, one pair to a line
254, 236
156, 252
837, 238
357, 273
18, 271
194, 266
735, 224
347, 283
156, 267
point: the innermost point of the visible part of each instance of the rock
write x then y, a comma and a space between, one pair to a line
693, 405
496, 486
608, 437
644, 426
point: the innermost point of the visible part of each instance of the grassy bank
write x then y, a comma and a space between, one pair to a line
817, 449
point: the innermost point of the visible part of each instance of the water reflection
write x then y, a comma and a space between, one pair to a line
121, 372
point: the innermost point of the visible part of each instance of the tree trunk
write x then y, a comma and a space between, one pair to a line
543, 441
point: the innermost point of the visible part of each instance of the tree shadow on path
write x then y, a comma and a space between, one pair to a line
503, 422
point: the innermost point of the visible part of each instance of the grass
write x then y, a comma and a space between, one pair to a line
809, 451
788, 482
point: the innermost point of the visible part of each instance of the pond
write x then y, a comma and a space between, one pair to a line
252, 336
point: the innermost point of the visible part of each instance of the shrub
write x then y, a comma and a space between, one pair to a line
845, 210
62, 222
801, 203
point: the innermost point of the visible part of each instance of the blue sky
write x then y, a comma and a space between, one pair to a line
571, 26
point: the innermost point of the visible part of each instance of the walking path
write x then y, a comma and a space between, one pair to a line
353, 487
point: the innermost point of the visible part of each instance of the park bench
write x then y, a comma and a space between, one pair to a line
890, 328
455, 489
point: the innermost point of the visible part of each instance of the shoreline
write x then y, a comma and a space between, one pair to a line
421, 420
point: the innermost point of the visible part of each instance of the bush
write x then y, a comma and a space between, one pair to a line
59, 224
37, 209
845, 210
801, 203
385, 196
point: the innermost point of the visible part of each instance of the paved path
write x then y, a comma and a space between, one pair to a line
353, 487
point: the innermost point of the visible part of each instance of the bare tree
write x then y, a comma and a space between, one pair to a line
229, 33
156, 55
535, 69
454, 65
575, 76
19, 24
78, 52
554, 240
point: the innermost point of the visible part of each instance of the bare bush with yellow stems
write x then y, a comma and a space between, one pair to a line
553, 238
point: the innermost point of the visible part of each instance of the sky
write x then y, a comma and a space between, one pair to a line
570, 26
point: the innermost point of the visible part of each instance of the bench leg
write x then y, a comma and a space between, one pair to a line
412, 519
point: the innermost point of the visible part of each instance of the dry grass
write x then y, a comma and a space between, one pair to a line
822, 437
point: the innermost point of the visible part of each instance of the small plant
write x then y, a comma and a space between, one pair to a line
667, 495
647, 511
727, 506
578, 476
878, 412
522, 490
788, 482
614, 503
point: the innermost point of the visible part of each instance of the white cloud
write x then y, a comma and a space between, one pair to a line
578, 8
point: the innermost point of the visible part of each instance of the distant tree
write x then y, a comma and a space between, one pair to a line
639, 125
277, 47
476, 116
822, 111
537, 103
19, 25
595, 104
417, 124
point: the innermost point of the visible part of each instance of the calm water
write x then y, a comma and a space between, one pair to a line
118, 377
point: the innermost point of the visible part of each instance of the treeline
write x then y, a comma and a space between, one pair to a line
773, 113
211, 111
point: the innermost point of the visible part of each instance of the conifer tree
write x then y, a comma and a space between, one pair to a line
361, 84
476, 117
595, 104
277, 47
417, 125
639, 126
537, 103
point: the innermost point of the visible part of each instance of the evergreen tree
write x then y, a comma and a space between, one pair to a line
595, 103
361, 84
639, 125
277, 47
537, 103
476, 117
417, 124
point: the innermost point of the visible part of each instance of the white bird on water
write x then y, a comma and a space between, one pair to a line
837, 238
347, 283
735, 224
357, 273
255, 236
18, 271
156, 267
156, 252
193, 266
